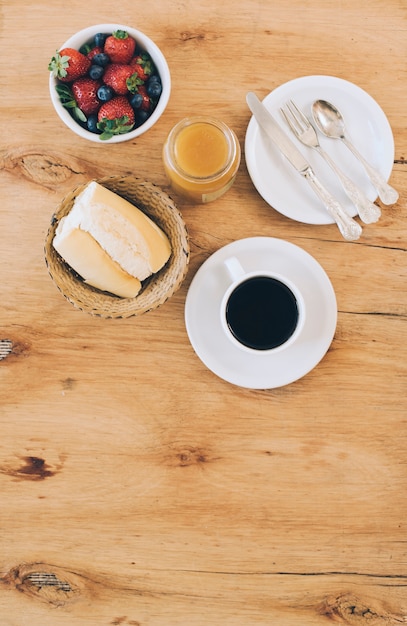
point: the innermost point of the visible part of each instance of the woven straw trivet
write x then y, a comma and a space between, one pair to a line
156, 289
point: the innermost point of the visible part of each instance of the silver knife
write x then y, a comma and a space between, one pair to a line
348, 227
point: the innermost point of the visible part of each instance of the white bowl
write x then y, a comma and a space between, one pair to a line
87, 34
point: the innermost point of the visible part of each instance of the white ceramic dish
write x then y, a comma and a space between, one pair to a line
263, 370
87, 34
284, 188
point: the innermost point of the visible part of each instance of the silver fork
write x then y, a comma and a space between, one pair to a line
306, 133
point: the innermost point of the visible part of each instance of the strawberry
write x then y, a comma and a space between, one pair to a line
85, 93
143, 65
116, 76
115, 117
68, 102
146, 104
69, 64
120, 46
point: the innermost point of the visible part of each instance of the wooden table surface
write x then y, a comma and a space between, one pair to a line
138, 488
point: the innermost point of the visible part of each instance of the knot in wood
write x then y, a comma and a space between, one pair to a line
188, 36
186, 455
11, 347
349, 609
191, 456
43, 582
44, 168
6, 346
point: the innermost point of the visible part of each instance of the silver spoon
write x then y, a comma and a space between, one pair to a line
331, 123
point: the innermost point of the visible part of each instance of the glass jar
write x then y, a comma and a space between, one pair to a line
201, 157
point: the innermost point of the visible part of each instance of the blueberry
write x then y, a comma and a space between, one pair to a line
105, 93
96, 72
141, 117
101, 59
100, 39
154, 78
136, 100
91, 124
154, 89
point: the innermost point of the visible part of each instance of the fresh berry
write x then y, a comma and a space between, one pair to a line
120, 46
141, 117
92, 123
136, 100
101, 59
85, 93
96, 72
143, 65
93, 52
116, 76
100, 39
68, 102
69, 64
105, 93
146, 104
115, 117
154, 78
154, 89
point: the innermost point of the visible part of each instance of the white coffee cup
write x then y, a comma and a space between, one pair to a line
261, 312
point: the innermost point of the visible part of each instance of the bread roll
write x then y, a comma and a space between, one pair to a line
88, 258
110, 242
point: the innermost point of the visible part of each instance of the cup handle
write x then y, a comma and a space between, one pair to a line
234, 268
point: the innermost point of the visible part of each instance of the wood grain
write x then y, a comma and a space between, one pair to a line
137, 488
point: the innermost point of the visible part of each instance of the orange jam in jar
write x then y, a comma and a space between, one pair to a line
201, 158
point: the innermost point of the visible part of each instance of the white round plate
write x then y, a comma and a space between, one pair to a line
284, 188
262, 370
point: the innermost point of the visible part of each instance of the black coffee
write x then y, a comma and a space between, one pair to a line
262, 313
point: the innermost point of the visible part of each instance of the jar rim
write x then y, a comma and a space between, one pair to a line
189, 121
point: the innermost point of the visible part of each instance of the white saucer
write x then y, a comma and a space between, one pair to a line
260, 371
368, 128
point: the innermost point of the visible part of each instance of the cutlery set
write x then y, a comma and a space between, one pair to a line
330, 122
